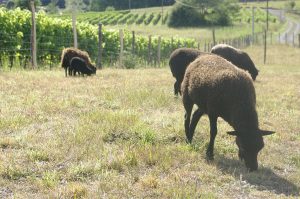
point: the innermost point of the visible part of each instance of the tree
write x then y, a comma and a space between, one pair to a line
25, 4
203, 12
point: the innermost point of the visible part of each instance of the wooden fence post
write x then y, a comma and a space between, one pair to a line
74, 24
121, 47
133, 42
149, 50
99, 46
158, 50
33, 36
286, 39
253, 25
293, 39
265, 47
214, 36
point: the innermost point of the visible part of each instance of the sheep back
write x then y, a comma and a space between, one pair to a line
219, 88
238, 57
179, 60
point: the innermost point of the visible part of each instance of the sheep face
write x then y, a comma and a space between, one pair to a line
248, 150
254, 74
93, 68
249, 144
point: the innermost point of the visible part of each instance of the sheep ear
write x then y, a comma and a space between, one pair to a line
233, 133
263, 132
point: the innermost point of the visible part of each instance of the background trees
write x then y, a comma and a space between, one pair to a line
203, 12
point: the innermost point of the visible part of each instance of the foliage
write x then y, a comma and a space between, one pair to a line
290, 4
54, 34
101, 5
23, 4
202, 12
185, 16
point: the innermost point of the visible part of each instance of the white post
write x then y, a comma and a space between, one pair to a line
33, 36
74, 7
121, 46
252, 25
158, 50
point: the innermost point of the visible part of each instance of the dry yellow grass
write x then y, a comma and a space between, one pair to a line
120, 134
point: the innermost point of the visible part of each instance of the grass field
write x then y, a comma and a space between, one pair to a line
120, 134
273, 4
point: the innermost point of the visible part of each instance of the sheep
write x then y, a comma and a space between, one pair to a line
236, 56
220, 89
79, 65
179, 60
182, 57
69, 53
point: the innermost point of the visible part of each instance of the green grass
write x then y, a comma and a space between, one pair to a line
272, 4
143, 22
120, 134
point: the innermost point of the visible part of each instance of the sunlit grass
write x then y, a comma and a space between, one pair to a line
120, 134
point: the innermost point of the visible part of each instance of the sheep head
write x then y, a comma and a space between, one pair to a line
249, 145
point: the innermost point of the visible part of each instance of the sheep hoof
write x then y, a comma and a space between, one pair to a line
188, 141
209, 156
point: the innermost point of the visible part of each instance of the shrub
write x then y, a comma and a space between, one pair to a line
110, 8
185, 16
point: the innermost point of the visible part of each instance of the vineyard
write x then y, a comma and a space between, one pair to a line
55, 33
153, 17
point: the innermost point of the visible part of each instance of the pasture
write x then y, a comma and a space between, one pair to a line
120, 134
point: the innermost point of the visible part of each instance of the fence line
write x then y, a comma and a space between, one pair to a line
155, 54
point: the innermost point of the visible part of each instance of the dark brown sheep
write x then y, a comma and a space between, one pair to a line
69, 53
182, 57
179, 60
79, 65
220, 89
236, 56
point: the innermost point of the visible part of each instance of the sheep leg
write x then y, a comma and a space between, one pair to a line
187, 117
66, 72
195, 119
70, 71
176, 88
213, 133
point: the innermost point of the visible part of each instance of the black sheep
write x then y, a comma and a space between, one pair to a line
236, 56
179, 60
69, 53
79, 65
220, 89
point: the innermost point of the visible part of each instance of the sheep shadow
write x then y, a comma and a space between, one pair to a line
264, 179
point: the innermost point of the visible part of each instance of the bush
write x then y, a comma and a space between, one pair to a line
110, 8
130, 61
182, 16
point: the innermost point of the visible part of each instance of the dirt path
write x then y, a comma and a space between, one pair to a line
292, 30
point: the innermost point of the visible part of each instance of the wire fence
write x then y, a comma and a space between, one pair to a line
120, 54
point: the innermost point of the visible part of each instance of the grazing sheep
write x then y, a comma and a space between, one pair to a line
182, 57
69, 53
179, 60
79, 65
236, 56
220, 89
